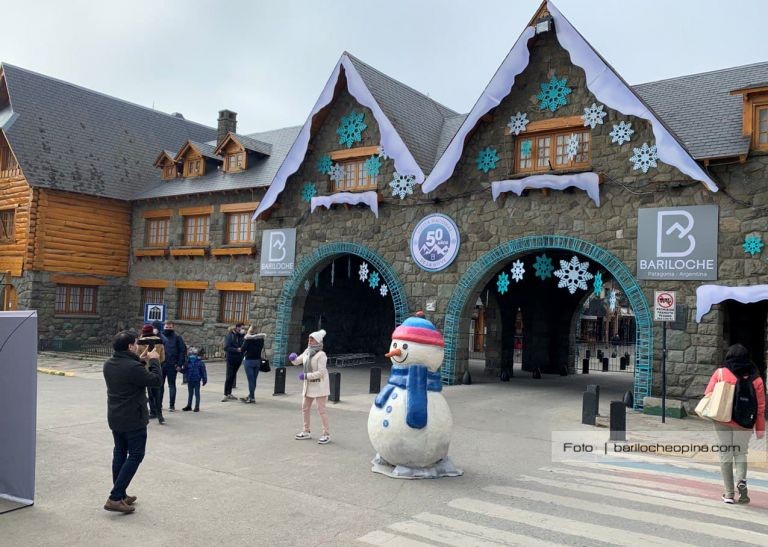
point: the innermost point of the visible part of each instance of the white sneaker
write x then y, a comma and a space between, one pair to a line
325, 439
303, 436
727, 499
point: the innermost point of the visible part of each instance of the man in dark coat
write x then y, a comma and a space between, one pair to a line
232, 344
175, 357
127, 382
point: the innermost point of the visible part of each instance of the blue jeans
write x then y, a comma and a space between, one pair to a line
252, 372
194, 389
169, 373
126, 457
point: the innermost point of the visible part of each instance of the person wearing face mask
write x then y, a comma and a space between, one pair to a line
233, 343
317, 387
175, 357
127, 380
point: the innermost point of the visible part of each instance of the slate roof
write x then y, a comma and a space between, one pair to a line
258, 175
701, 111
254, 145
71, 138
206, 149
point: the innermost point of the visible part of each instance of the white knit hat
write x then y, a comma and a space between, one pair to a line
318, 336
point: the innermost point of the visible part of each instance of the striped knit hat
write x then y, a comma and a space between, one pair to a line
420, 330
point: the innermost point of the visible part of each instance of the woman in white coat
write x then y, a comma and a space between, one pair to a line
316, 384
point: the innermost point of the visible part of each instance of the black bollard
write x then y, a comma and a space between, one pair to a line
618, 421
594, 388
279, 381
335, 379
629, 399
605, 364
622, 363
504, 376
589, 408
536, 374
467, 378
585, 366
375, 385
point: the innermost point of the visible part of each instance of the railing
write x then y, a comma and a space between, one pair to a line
597, 351
209, 352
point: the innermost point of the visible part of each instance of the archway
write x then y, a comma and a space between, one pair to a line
288, 324
461, 305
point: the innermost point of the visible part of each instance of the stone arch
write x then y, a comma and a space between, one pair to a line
483, 267
310, 262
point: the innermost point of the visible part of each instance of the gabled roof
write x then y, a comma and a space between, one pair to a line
250, 144
71, 138
164, 155
207, 150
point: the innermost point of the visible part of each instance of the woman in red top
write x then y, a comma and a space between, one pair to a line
737, 365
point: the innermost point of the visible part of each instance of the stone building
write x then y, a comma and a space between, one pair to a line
548, 191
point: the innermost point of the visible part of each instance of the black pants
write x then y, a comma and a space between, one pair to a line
232, 368
155, 398
169, 375
126, 457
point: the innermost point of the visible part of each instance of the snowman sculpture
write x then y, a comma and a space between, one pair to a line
410, 423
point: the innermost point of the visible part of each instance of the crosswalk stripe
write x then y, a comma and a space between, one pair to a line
654, 497
379, 537
605, 477
439, 535
596, 532
484, 532
706, 528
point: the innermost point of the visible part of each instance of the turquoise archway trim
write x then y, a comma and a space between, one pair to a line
305, 268
489, 262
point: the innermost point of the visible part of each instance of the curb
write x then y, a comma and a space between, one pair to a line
54, 372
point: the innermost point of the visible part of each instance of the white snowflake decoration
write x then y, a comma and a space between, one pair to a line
573, 275
517, 123
593, 115
573, 146
383, 290
336, 173
644, 158
612, 300
306, 285
517, 271
383, 153
621, 133
402, 185
363, 273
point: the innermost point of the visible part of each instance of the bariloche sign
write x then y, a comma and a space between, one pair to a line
677, 243
278, 252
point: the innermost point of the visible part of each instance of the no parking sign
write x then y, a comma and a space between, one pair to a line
664, 305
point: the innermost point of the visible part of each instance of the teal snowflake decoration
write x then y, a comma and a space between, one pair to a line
372, 165
351, 129
308, 191
553, 94
526, 147
324, 164
753, 245
373, 280
543, 267
502, 283
487, 159
597, 284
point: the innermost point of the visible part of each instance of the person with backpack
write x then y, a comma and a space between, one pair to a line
748, 414
175, 357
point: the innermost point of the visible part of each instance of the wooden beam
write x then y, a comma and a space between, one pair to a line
75, 280
190, 284
153, 283
234, 286
552, 124
150, 252
359, 152
188, 252
158, 213
202, 210
240, 207
232, 251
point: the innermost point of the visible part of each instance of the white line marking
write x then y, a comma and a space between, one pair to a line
484, 532
440, 535
379, 537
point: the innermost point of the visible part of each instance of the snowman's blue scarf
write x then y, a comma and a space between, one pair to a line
416, 380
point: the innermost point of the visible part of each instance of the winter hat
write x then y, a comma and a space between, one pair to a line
420, 330
192, 350
318, 336
147, 330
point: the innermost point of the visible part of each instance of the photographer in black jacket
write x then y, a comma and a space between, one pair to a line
127, 381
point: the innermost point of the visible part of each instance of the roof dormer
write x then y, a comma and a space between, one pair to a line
754, 116
197, 158
167, 163
239, 151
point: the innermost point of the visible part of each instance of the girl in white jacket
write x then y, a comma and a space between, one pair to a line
316, 384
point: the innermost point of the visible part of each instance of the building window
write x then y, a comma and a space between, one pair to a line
550, 152
151, 296
196, 229
169, 171
193, 168
75, 299
236, 162
233, 307
190, 305
157, 232
761, 127
7, 219
239, 228
356, 177
8, 165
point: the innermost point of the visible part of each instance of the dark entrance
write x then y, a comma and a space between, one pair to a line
746, 324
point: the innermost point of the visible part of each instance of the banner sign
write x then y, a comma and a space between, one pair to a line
677, 243
435, 242
278, 252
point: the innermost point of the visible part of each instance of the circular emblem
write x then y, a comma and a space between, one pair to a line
435, 242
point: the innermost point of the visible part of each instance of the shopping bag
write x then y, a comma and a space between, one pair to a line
717, 405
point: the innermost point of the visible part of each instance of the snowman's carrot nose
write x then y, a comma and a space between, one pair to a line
394, 352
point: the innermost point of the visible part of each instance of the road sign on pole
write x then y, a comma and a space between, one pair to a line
664, 305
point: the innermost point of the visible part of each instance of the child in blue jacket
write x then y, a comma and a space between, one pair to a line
194, 369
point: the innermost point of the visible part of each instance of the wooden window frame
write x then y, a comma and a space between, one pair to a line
74, 300
170, 171
242, 218
197, 162
190, 306
552, 154
151, 292
9, 166
759, 107
239, 165
7, 226
355, 166
196, 242
149, 240
232, 302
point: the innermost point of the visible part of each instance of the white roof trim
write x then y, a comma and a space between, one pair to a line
602, 81
390, 140
709, 295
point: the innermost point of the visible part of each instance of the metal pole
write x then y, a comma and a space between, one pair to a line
664, 372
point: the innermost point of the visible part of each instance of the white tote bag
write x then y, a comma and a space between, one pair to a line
718, 404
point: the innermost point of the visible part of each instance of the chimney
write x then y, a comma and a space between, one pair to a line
227, 123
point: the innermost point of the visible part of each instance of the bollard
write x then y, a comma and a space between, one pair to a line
335, 379
622, 363
504, 375
629, 399
605, 364
589, 408
375, 385
467, 378
536, 374
279, 381
618, 421
594, 388
585, 366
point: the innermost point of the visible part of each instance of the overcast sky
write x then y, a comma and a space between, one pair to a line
268, 61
